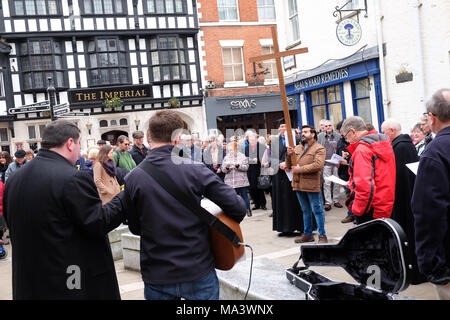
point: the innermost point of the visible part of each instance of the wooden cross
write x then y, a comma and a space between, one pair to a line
277, 55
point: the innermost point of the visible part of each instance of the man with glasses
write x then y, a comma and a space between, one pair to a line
122, 157
372, 171
329, 139
431, 198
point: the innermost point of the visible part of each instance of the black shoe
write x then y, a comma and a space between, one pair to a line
288, 234
255, 208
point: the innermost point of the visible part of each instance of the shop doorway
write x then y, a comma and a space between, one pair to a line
112, 136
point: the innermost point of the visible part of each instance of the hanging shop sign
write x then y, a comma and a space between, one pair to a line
349, 32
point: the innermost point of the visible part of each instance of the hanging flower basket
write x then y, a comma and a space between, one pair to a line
174, 102
113, 103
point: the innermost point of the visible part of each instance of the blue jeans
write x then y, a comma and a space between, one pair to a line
311, 202
243, 193
206, 288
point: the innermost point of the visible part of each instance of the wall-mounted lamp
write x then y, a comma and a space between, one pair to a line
89, 126
137, 121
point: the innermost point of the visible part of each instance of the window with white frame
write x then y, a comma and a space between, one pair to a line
35, 132
269, 65
266, 10
35, 7
228, 10
293, 21
169, 58
101, 7
4, 135
108, 62
165, 6
233, 65
39, 60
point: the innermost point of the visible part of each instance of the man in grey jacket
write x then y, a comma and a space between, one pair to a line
329, 139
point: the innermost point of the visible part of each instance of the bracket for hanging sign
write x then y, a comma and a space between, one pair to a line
339, 10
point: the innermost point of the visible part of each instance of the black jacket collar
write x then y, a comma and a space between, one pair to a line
49, 154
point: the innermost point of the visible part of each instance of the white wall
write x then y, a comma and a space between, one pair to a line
318, 33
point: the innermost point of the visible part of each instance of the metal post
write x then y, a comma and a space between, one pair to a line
51, 97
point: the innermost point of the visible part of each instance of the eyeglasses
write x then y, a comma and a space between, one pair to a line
345, 136
127, 144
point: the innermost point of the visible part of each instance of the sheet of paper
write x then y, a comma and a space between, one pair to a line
337, 180
414, 166
290, 175
335, 159
286, 137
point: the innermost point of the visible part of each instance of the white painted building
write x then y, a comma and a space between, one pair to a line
335, 81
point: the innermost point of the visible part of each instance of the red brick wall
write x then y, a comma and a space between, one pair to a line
248, 10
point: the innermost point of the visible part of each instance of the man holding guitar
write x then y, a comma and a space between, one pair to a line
176, 257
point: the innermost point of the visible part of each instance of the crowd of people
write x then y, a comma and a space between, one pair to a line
295, 177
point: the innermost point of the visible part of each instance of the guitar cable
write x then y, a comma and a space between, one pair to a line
251, 267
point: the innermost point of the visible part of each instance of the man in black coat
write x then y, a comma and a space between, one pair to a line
404, 152
139, 151
287, 214
58, 226
431, 198
176, 258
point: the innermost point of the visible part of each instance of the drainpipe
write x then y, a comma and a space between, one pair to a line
419, 54
378, 19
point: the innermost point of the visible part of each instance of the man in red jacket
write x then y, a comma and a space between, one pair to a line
372, 171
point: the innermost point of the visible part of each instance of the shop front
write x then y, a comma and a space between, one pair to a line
247, 112
340, 89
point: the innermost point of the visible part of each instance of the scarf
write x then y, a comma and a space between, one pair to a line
110, 168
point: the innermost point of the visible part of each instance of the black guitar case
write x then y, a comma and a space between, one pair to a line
373, 253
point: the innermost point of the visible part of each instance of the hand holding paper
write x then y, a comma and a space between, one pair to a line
337, 180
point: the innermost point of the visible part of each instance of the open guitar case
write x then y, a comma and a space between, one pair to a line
374, 253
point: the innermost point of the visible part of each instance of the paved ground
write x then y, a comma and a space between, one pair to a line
257, 231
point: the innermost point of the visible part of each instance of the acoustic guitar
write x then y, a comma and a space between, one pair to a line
224, 252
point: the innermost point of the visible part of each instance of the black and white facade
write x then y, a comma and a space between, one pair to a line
143, 52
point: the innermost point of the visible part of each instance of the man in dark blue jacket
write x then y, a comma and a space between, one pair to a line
431, 198
176, 259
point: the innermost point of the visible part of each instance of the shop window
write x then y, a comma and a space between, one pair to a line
266, 10
101, 7
293, 21
35, 7
165, 6
326, 103
361, 99
228, 10
123, 122
233, 65
108, 63
168, 56
103, 123
40, 60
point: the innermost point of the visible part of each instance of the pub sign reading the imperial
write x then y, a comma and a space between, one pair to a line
136, 92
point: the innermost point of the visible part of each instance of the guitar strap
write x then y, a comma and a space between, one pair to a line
189, 202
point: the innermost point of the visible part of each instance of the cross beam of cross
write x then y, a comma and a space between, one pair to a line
277, 55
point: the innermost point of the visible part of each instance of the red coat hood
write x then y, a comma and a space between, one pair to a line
377, 142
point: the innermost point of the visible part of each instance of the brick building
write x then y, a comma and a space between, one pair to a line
239, 94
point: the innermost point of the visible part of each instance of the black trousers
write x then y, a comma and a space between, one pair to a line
258, 197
